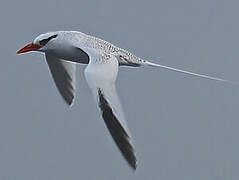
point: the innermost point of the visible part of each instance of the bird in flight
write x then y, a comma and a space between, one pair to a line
64, 49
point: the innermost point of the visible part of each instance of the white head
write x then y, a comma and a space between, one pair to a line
61, 44
51, 41
43, 43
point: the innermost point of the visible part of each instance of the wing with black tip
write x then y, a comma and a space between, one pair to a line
64, 75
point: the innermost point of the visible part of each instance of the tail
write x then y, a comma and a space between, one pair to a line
188, 72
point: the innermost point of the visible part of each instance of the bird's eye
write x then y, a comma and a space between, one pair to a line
43, 42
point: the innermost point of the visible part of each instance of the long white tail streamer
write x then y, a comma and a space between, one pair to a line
188, 72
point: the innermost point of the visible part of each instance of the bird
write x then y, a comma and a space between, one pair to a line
64, 49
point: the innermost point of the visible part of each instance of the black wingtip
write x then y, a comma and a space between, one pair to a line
70, 103
69, 99
134, 164
117, 132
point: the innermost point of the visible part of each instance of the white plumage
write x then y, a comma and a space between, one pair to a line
63, 49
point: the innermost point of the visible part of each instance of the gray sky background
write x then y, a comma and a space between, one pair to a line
183, 127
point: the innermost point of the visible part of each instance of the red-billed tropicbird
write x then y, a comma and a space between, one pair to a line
63, 49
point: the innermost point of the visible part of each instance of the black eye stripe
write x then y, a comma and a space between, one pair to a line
45, 41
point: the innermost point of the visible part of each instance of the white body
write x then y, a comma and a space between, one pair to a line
64, 49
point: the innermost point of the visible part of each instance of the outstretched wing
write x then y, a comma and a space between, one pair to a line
63, 73
101, 75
